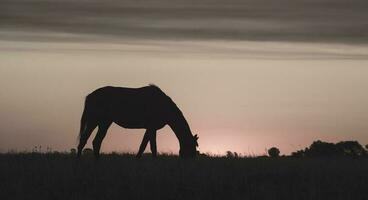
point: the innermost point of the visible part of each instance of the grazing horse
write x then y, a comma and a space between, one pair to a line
146, 107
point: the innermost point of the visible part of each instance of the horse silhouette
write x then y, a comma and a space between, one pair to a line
146, 107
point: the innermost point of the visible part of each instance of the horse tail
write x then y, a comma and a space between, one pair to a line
83, 122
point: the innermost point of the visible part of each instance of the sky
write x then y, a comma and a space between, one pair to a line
248, 75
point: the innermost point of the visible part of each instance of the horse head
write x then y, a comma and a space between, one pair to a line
189, 148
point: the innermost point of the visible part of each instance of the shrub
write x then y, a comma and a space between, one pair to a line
73, 151
230, 154
319, 148
325, 149
350, 148
274, 152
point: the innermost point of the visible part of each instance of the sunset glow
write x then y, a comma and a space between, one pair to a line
243, 84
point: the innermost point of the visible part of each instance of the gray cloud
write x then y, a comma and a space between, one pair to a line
257, 20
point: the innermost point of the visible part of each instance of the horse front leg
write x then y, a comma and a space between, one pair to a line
145, 140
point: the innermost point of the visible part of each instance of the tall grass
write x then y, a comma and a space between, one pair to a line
121, 176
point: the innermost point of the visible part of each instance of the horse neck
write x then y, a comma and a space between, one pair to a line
180, 126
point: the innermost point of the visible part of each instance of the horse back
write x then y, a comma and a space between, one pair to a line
131, 107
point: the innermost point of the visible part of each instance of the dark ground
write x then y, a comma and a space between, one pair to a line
61, 176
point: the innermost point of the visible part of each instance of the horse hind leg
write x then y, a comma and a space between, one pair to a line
102, 130
153, 144
84, 136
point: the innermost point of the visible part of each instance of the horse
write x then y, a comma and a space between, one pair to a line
146, 107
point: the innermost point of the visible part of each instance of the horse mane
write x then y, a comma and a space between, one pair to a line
156, 87
158, 90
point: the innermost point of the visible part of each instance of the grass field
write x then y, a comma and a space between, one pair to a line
61, 176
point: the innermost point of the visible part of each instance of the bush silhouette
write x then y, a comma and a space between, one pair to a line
274, 152
299, 153
73, 151
325, 149
230, 154
350, 148
319, 148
